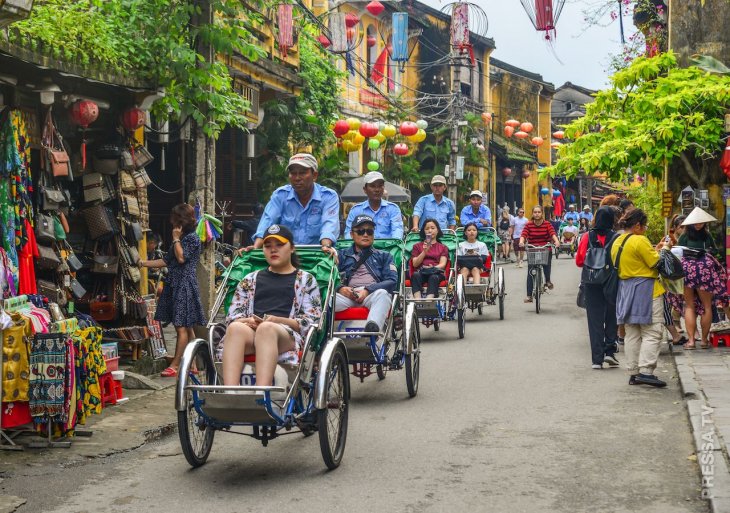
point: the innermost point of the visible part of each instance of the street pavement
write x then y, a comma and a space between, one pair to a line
510, 419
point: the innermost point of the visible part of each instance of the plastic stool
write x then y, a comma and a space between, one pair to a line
716, 338
118, 390
106, 384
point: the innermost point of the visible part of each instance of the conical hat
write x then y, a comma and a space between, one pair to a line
698, 216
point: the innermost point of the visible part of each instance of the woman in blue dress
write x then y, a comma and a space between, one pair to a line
179, 302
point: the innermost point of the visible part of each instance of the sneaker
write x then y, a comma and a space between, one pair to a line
597, 366
522, 264
649, 379
610, 360
371, 327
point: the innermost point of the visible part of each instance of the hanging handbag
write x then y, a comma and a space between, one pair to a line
103, 310
57, 161
141, 178
74, 263
53, 292
130, 205
126, 182
60, 163
58, 229
106, 166
47, 258
105, 263
132, 273
77, 289
52, 199
100, 222
142, 157
44, 229
127, 160
98, 188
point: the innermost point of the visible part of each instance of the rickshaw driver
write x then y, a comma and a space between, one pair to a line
311, 211
369, 275
435, 206
569, 233
387, 216
476, 212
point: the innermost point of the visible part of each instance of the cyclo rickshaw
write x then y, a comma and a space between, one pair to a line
569, 247
397, 345
491, 290
451, 301
316, 397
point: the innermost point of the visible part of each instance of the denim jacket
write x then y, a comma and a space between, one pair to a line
380, 264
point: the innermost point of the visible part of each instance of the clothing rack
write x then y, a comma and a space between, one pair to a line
14, 304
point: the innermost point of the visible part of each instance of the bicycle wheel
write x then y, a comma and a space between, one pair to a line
196, 437
332, 420
538, 289
413, 360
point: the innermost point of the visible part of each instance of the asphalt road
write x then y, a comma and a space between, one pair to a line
510, 419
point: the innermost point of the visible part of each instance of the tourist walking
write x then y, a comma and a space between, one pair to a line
518, 224
504, 231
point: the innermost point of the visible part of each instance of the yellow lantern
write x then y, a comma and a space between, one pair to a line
420, 136
349, 135
354, 123
358, 139
380, 137
389, 131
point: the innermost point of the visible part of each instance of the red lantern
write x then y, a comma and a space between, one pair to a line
341, 128
408, 128
506, 171
133, 119
537, 141
351, 20
323, 40
486, 117
375, 8
509, 131
526, 127
84, 112
559, 134
369, 129
522, 135
513, 123
525, 174
400, 149
725, 160
372, 40
555, 145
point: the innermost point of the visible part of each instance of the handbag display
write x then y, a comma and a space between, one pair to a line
142, 156
57, 161
100, 222
132, 273
60, 163
44, 229
141, 178
47, 258
105, 263
52, 199
127, 160
77, 289
130, 205
126, 182
106, 166
103, 310
97, 188
53, 292
58, 229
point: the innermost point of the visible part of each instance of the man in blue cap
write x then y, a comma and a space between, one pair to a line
387, 216
368, 276
311, 211
435, 206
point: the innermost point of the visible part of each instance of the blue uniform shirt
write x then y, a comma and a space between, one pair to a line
586, 215
388, 219
319, 219
428, 208
571, 215
468, 216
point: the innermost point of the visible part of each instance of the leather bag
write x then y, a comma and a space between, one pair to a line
44, 229
106, 166
53, 292
100, 222
77, 289
57, 161
105, 263
142, 156
103, 310
47, 258
60, 163
97, 188
127, 160
141, 178
132, 273
52, 199
126, 182
130, 205
58, 229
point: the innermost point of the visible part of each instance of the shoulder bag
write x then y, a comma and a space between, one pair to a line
52, 199
105, 263
669, 266
45, 229
101, 222
47, 258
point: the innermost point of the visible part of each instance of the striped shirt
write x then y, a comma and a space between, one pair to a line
538, 235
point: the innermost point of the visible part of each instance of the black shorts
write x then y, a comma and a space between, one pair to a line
470, 262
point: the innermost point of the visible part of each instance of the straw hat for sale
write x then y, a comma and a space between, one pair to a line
698, 216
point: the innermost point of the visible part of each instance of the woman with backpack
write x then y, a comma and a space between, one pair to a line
599, 288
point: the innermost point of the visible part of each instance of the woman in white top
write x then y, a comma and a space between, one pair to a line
472, 254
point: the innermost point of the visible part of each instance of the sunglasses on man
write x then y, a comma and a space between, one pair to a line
365, 231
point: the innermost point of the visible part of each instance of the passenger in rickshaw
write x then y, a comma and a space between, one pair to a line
428, 260
369, 275
472, 255
569, 232
271, 312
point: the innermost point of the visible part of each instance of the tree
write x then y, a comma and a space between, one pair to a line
654, 113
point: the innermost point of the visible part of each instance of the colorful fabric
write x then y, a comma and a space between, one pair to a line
89, 366
16, 366
706, 274
48, 376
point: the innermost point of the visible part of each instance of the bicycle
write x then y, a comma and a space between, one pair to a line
537, 257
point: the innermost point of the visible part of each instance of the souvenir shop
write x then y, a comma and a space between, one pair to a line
73, 222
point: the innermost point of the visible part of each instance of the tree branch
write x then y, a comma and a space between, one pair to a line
688, 167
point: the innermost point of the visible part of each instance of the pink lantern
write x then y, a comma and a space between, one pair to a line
486, 117
400, 149
341, 128
351, 20
509, 131
375, 8
513, 123
408, 128
537, 141
555, 145
323, 40
506, 171
369, 129
526, 174
559, 134
526, 127
522, 135
372, 40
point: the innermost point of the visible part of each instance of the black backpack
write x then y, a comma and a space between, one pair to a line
598, 267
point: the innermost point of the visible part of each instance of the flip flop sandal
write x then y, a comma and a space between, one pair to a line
682, 341
169, 373
688, 347
704, 346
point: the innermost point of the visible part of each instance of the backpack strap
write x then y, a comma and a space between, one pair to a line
620, 250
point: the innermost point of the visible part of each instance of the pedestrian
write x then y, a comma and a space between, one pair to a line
428, 260
179, 302
674, 303
504, 231
625, 205
600, 299
569, 233
704, 276
583, 226
518, 224
640, 299
369, 276
310, 210
472, 255
387, 216
610, 200
476, 212
271, 312
539, 232
435, 206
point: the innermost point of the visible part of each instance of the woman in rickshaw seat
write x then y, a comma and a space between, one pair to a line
429, 259
472, 255
271, 312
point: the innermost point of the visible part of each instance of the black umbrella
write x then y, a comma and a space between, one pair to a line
353, 191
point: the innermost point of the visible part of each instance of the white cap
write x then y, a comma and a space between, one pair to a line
698, 216
586, 207
475, 193
374, 176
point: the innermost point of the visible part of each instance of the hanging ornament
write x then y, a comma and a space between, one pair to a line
373, 166
512, 122
559, 134
323, 40
555, 145
83, 113
725, 160
372, 41
506, 171
420, 136
526, 174
486, 117
354, 123
522, 135
379, 137
375, 8
408, 128
400, 149
369, 129
349, 135
556, 193
133, 119
341, 128
422, 124
373, 144
526, 127
537, 141
351, 20
509, 131
544, 191
358, 139
389, 131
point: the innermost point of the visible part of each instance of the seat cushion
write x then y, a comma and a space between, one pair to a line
356, 313
443, 283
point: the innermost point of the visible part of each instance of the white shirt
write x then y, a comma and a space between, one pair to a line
519, 223
472, 248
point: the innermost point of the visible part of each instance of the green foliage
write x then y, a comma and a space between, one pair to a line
649, 199
654, 113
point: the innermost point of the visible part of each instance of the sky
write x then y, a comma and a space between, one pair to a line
584, 53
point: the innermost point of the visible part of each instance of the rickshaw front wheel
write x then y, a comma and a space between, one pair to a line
332, 420
196, 437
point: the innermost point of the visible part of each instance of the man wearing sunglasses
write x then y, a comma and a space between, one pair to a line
387, 216
368, 275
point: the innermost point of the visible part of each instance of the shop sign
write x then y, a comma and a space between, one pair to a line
667, 200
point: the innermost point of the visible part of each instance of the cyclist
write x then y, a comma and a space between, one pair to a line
538, 232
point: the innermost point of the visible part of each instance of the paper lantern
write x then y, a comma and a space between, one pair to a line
341, 128
133, 119
420, 135
351, 20
513, 123
408, 128
380, 138
373, 144
372, 40
323, 40
369, 129
559, 134
526, 174
537, 141
486, 117
522, 135
388, 131
544, 191
373, 166
358, 139
572, 198
526, 127
375, 8
555, 145
509, 131
556, 193
506, 171
84, 112
349, 135
422, 124
400, 149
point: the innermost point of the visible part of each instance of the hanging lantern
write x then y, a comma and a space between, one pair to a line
537, 141
512, 122
351, 20
375, 8
509, 131
408, 128
526, 127
572, 198
341, 128
373, 166
486, 117
400, 149
422, 124
286, 28
400, 37
373, 144
133, 119
358, 139
389, 131
83, 113
555, 145
379, 137
354, 123
522, 135
526, 174
544, 191
369, 129
349, 135
725, 160
420, 136
323, 40
556, 193
559, 134
372, 41
506, 172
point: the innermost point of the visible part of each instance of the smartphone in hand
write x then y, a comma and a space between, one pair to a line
257, 318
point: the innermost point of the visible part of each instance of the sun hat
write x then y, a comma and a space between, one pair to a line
303, 159
280, 233
438, 179
698, 216
475, 193
586, 207
374, 176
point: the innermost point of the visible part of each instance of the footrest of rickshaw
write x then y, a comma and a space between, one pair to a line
427, 310
236, 407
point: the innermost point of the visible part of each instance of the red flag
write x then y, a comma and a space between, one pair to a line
378, 73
